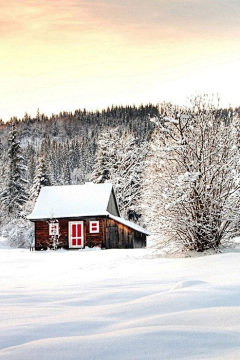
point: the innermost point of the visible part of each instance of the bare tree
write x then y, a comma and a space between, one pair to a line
192, 180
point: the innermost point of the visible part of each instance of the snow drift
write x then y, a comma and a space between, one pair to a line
118, 304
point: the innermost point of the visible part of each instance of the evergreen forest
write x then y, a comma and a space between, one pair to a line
169, 167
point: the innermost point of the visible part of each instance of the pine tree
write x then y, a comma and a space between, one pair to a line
66, 166
66, 175
14, 190
41, 178
106, 156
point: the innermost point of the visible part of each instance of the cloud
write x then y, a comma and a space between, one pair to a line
63, 19
43, 19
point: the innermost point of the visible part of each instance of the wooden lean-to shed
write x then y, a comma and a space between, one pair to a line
80, 216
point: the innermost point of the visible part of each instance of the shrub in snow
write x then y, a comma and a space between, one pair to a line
191, 189
19, 233
54, 232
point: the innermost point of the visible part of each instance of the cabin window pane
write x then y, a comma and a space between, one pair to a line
74, 230
94, 226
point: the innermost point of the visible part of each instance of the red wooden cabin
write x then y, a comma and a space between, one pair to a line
75, 216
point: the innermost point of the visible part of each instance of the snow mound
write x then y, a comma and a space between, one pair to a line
94, 248
152, 343
184, 284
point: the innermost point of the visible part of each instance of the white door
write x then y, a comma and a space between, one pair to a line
75, 236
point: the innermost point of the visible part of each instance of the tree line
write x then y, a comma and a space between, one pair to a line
174, 169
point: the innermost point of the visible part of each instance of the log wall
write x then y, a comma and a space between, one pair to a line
121, 236
43, 239
111, 235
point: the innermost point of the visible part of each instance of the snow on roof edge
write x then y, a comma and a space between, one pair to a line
105, 213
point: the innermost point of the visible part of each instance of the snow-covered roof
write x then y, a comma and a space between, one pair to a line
72, 201
129, 224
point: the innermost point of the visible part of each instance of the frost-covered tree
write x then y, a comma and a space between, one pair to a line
192, 181
106, 156
14, 193
127, 175
121, 161
41, 178
66, 174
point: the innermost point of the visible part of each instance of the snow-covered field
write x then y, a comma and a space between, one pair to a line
118, 304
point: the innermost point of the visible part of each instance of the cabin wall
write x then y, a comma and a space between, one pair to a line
43, 239
121, 236
94, 239
139, 240
111, 235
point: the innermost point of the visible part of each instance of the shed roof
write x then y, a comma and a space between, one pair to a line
72, 201
129, 224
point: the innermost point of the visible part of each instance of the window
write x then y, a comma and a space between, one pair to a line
93, 226
54, 229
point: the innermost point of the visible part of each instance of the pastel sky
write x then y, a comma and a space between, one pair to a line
62, 55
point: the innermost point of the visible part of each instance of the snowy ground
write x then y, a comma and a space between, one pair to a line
118, 304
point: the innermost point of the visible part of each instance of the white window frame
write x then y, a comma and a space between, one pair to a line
91, 225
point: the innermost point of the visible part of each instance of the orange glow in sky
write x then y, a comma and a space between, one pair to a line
62, 55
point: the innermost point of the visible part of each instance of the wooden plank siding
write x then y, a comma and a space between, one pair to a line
43, 240
121, 236
111, 234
